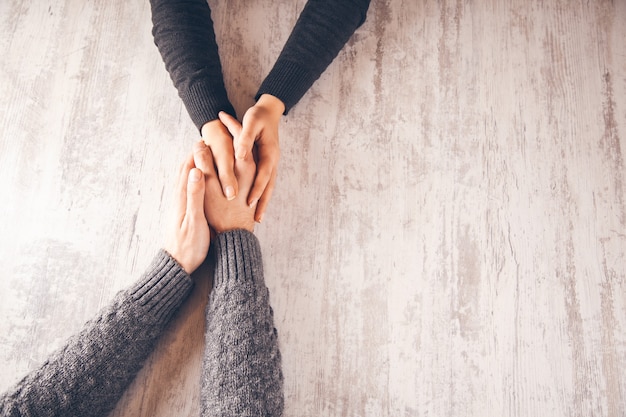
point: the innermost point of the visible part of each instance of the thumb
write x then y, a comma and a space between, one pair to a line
244, 142
232, 124
240, 138
195, 196
243, 136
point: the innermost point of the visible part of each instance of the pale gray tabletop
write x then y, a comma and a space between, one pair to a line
447, 236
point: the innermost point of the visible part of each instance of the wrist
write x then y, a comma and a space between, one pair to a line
272, 103
241, 221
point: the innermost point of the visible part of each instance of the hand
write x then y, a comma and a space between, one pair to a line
217, 137
189, 238
260, 126
224, 214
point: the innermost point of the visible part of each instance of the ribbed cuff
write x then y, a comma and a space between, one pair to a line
238, 255
203, 103
162, 288
287, 81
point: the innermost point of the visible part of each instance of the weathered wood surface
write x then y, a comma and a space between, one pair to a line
447, 235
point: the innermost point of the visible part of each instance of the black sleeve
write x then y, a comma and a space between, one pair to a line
323, 28
183, 33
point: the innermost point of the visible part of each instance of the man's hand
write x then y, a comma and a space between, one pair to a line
224, 214
260, 127
189, 237
216, 136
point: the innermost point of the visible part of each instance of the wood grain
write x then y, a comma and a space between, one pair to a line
448, 232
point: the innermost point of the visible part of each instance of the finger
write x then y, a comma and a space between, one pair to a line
220, 167
223, 160
265, 199
245, 140
263, 177
203, 158
245, 170
181, 188
232, 124
195, 197
225, 165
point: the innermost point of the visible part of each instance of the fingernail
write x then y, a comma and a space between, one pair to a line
253, 202
194, 175
230, 192
260, 219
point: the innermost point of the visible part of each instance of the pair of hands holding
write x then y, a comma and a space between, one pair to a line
220, 187
229, 142
201, 206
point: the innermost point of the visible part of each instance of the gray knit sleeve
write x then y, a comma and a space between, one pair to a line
89, 374
242, 374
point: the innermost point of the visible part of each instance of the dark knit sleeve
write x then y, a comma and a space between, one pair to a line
323, 28
88, 376
183, 33
242, 372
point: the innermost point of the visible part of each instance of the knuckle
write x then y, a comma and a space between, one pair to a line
199, 145
201, 150
254, 112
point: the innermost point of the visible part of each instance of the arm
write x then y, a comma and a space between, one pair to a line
323, 28
89, 374
242, 372
183, 33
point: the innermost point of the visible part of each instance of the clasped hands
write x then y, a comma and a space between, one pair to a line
201, 207
221, 187
229, 142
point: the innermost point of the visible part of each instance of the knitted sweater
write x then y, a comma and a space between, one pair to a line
242, 373
183, 33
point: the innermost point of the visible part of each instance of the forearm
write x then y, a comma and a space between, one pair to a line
183, 33
242, 373
88, 375
323, 28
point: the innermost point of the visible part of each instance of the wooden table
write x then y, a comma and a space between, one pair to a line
448, 231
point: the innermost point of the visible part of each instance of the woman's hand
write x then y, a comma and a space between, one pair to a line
260, 127
217, 137
189, 237
224, 214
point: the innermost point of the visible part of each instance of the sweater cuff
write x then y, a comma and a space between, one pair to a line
162, 288
239, 258
287, 81
203, 103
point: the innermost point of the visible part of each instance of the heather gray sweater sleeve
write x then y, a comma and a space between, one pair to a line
89, 374
242, 374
